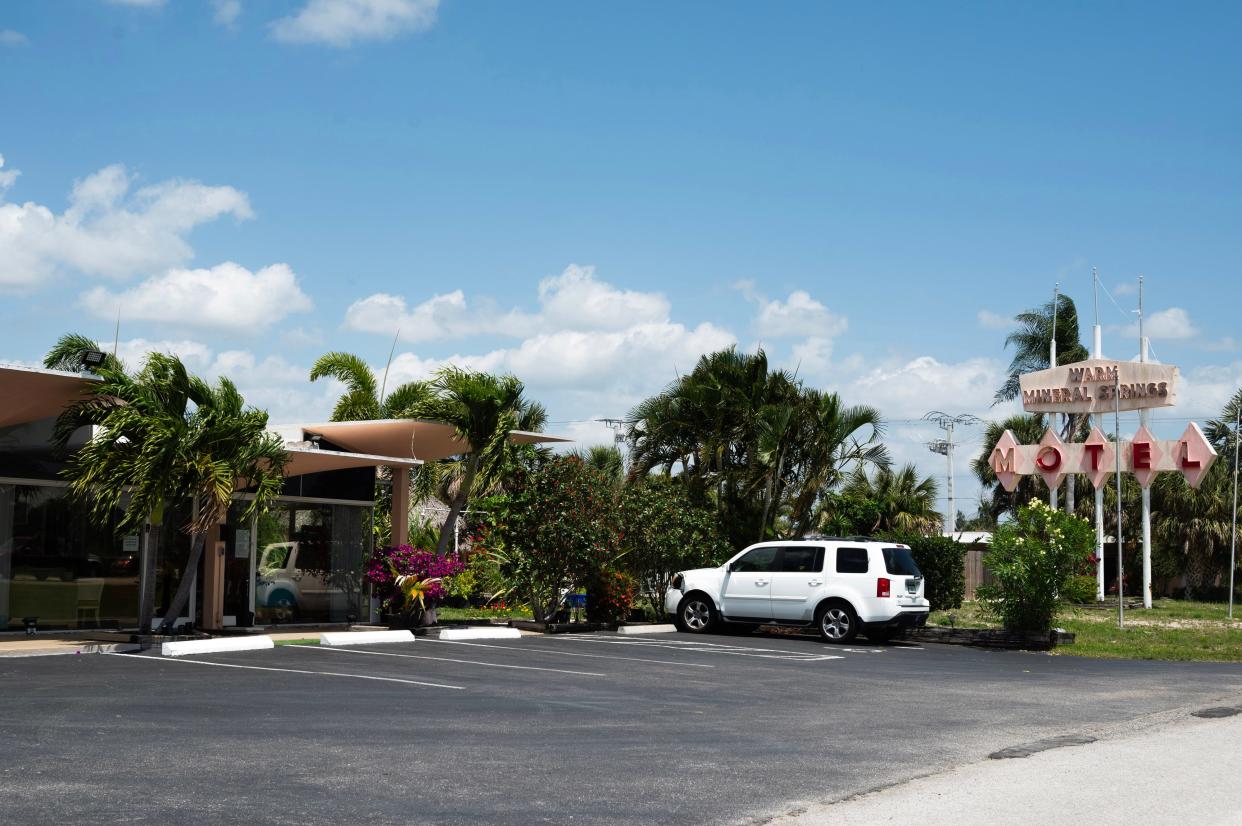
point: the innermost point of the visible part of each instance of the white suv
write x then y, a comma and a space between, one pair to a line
840, 586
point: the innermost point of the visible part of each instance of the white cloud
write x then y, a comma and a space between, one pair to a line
7, 178
994, 321
342, 23
1172, 324
8, 37
620, 366
799, 315
1204, 391
107, 229
573, 300
908, 390
227, 297
576, 300
226, 12
813, 356
133, 352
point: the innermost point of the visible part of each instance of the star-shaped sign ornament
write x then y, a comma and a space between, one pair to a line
1145, 455
1004, 461
1099, 457
1195, 455
1050, 459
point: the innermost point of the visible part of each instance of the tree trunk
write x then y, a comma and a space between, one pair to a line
182, 596
146, 576
459, 502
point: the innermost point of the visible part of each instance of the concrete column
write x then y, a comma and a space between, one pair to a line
400, 506
213, 580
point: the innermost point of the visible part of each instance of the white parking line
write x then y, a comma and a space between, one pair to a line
574, 654
444, 659
293, 671
711, 648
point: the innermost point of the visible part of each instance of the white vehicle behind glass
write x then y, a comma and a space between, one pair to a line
839, 586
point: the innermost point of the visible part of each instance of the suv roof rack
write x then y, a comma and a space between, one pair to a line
819, 537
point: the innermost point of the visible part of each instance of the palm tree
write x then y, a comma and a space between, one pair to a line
165, 437
364, 398
69, 354
607, 459
1196, 523
754, 440
1031, 342
483, 409
832, 441
905, 503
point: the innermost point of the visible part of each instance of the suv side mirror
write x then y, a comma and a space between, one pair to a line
733, 566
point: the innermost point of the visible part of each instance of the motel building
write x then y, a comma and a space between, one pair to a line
300, 562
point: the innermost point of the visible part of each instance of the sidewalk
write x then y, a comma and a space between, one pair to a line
1181, 769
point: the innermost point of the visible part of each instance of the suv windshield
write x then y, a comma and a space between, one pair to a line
899, 561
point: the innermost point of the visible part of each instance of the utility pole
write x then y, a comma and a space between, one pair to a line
1146, 493
1052, 362
615, 425
945, 448
1121, 568
1098, 352
1233, 535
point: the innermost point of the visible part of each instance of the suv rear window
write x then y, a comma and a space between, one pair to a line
851, 560
901, 562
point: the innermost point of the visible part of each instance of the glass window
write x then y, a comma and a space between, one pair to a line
760, 559
851, 560
310, 562
801, 560
901, 562
60, 567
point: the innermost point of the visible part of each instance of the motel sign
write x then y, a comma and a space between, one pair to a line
1101, 386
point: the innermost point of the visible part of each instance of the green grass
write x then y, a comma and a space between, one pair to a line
1170, 630
299, 641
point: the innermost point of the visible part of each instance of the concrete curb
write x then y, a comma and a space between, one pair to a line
216, 645
337, 638
85, 648
480, 634
647, 629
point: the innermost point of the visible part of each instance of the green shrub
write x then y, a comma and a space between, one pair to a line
1032, 559
556, 529
942, 561
664, 531
1079, 589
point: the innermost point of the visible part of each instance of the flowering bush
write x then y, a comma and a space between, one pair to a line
387, 564
1032, 560
610, 595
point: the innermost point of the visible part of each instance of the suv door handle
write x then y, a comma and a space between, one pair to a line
761, 582
815, 582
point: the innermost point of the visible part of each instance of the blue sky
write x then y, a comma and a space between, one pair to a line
589, 195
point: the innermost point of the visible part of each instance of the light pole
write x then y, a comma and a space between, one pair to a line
945, 448
1233, 533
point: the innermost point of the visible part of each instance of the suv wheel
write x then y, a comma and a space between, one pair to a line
696, 614
837, 622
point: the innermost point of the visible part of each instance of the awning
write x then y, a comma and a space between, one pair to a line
304, 460
413, 438
28, 394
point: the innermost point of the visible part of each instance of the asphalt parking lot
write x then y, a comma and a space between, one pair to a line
569, 729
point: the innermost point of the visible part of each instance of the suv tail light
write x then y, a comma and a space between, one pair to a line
678, 581
882, 586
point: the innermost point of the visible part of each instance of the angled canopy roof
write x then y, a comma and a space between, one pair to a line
28, 394
419, 439
310, 460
